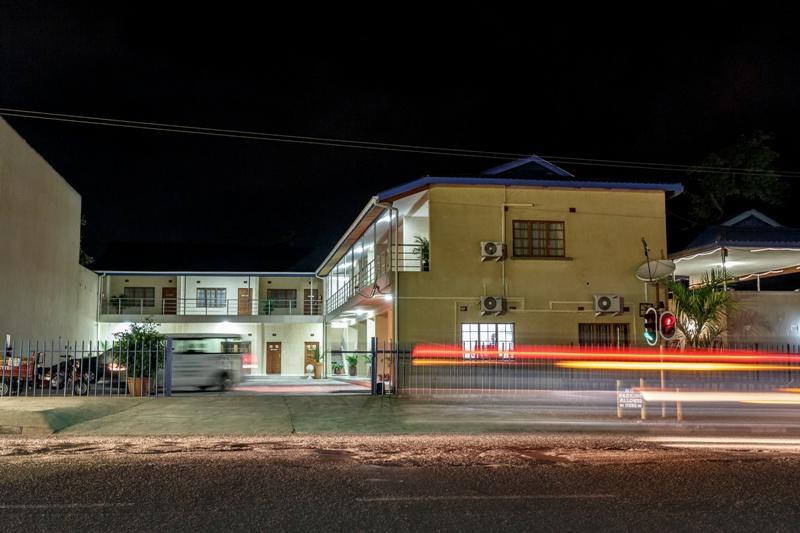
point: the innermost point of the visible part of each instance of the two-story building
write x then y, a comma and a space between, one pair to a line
523, 254
278, 315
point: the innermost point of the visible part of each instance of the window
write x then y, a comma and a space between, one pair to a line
211, 297
603, 335
136, 296
282, 298
538, 238
486, 337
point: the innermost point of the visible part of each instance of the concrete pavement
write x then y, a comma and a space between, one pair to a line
226, 414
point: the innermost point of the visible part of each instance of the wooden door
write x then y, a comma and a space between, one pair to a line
273, 358
311, 347
169, 300
311, 302
245, 302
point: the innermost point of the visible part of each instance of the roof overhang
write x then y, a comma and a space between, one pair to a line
671, 189
201, 273
364, 220
741, 262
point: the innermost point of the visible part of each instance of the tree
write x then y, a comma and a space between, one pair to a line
140, 349
745, 170
701, 311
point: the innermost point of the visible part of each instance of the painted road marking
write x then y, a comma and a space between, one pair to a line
487, 497
26, 506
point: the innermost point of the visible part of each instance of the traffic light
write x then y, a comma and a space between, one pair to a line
651, 326
667, 325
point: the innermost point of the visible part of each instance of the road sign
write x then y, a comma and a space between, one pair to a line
629, 399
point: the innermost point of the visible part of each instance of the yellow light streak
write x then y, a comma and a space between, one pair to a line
667, 365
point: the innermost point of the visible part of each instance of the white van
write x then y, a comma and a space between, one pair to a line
202, 361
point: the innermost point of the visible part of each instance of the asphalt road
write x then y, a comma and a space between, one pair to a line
446, 483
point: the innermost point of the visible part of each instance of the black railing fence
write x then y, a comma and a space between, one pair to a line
73, 368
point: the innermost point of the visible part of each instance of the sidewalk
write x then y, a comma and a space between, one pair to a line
363, 414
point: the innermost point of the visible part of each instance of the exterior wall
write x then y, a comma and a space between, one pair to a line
602, 245
767, 317
44, 292
291, 336
116, 287
231, 284
286, 282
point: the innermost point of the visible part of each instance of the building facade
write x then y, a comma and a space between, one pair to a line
278, 315
414, 267
45, 294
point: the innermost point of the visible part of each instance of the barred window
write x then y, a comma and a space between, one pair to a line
476, 337
134, 296
538, 238
211, 297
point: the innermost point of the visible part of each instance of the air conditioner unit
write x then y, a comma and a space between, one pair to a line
492, 305
493, 250
607, 303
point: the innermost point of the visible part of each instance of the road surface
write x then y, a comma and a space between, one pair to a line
543, 482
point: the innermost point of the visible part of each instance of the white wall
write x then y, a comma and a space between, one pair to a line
231, 284
292, 338
44, 292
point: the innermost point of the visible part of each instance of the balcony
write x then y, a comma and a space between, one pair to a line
364, 277
193, 307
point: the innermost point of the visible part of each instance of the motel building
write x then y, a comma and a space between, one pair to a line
521, 254
277, 315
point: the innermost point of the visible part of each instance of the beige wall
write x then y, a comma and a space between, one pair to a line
603, 249
44, 292
116, 287
286, 282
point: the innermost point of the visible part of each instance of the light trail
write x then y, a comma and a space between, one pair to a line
672, 366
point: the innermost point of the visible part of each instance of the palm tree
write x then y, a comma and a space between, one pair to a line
702, 311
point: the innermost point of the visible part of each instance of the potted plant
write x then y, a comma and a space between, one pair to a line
140, 350
368, 363
352, 362
423, 250
338, 368
317, 363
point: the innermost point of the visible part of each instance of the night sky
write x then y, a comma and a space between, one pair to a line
632, 86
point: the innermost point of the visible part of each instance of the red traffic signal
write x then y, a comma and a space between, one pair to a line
667, 325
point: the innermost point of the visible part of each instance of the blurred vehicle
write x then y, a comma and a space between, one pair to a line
202, 361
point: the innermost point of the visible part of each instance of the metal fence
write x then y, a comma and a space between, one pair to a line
468, 374
63, 368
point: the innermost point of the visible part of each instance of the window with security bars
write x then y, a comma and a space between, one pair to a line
135, 296
282, 298
538, 238
211, 297
490, 337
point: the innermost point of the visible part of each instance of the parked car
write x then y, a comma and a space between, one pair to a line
99, 368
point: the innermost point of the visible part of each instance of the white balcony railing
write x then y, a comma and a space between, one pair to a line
211, 307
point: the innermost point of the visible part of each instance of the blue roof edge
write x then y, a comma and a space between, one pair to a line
674, 188
531, 159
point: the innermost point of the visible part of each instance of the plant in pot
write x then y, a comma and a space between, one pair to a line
317, 363
423, 250
368, 363
338, 368
352, 362
140, 350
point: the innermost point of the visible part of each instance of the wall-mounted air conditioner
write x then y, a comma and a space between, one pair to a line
607, 303
492, 305
493, 250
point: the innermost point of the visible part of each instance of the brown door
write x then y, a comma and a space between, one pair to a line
311, 302
273, 358
169, 300
311, 347
245, 302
